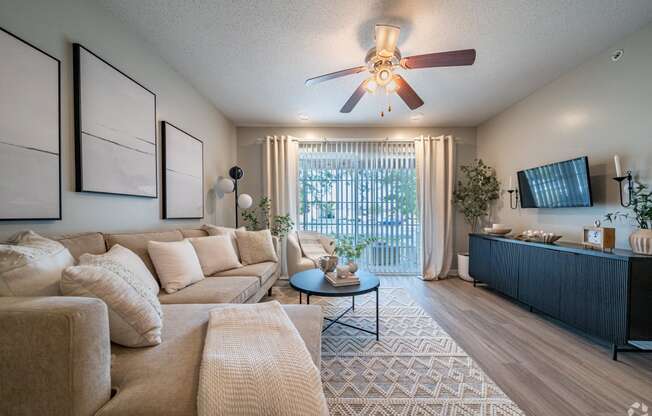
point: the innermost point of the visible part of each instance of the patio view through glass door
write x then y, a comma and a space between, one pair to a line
361, 190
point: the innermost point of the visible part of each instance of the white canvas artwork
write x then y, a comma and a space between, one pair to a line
29, 132
183, 174
116, 130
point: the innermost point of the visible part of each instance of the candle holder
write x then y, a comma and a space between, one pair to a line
513, 195
630, 188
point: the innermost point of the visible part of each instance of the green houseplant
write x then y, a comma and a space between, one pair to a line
640, 215
258, 218
347, 247
476, 189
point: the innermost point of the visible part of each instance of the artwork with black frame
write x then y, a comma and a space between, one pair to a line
183, 173
30, 131
115, 129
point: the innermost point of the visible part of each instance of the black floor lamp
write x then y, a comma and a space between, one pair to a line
227, 186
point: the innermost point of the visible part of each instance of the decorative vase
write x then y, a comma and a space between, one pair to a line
463, 267
328, 264
353, 267
641, 242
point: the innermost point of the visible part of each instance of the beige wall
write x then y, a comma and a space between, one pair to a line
250, 152
53, 26
599, 109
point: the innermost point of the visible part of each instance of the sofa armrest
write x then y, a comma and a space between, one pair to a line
55, 355
294, 254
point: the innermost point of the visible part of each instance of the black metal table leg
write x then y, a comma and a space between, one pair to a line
352, 303
300, 298
308, 299
377, 319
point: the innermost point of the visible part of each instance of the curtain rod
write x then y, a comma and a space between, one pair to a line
358, 140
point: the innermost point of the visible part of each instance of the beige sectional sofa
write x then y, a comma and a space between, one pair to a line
56, 357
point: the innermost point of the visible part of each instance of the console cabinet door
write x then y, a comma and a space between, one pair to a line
505, 258
595, 299
541, 274
480, 259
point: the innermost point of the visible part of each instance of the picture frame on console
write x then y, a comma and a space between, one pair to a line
115, 129
183, 173
30, 131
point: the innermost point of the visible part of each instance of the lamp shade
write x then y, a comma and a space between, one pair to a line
245, 201
225, 185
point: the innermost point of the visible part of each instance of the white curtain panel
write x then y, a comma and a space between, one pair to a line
435, 163
280, 173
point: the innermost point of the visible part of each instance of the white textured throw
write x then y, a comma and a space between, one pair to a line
255, 363
311, 245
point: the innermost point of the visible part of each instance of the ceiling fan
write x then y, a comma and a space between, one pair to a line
383, 61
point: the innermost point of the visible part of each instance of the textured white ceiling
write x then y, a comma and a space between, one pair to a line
251, 57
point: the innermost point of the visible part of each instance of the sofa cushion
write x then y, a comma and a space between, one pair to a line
193, 232
31, 265
134, 311
137, 242
176, 263
255, 246
216, 253
232, 289
79, 244
263, 271
217, 230
126, 258
163, 380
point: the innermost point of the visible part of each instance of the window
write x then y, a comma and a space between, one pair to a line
363, 190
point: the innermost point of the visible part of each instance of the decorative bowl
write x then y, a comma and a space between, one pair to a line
547, 239
497, 231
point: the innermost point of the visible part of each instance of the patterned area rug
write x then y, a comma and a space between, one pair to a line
415, 369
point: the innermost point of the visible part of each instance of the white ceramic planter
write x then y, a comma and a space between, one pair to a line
463, 267
641, 242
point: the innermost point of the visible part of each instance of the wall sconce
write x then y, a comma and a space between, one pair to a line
620, 178
513, 194
227, 186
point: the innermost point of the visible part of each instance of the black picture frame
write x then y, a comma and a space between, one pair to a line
60, 204
164, 172
78, 118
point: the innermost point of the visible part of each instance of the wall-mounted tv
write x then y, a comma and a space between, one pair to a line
557, 185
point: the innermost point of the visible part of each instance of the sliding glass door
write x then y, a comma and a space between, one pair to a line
363, 190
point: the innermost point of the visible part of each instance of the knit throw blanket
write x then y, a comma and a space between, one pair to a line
255, 363
311, 245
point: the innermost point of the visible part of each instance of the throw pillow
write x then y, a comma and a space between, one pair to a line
256, 246
216, 254
31, 265
176, 264
127, 258
227, 231
134, 311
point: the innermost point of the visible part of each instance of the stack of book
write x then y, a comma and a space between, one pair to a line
342, 281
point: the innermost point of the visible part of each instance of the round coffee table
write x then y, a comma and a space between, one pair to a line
313, 283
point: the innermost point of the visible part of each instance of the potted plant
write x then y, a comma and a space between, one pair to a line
641, 216
346, 247
258, 218
476, 189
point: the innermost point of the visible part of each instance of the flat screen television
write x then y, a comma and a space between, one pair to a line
557, 185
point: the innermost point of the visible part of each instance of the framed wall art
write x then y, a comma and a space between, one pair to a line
30, 131
115, 129
183, 174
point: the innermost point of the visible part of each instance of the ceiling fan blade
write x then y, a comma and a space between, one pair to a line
406, 93
386, 40
337, 74
431, 60
354, 99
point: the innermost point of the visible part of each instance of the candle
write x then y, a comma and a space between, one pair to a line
619, 169
511, 183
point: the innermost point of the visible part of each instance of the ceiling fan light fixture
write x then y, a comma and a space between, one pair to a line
386, 40
384, 76
392, 86
371, 85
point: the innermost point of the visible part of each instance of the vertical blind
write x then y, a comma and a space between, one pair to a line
360, 190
